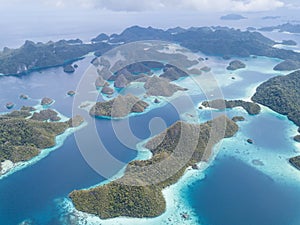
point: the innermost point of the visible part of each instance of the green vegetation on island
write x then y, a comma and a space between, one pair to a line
295, 161
172, 72
250, 107
281, 94
46, 101
120, 106
139, 192
156, 86
287, 65
235, 65
297, 138
21, 139
221, 41
45, 115
36, 56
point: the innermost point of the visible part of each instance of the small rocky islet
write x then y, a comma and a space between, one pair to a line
235, 65
238, 118
295, 161
297, 138
69, 68
71, 93
24, 97
107, 90
46, 101
9, 105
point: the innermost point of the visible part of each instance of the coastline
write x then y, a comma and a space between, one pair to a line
176, 203
11, 168
275, 165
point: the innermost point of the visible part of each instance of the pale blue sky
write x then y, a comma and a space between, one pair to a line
146, 5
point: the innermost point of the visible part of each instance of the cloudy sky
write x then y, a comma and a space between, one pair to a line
41, 20
146, 5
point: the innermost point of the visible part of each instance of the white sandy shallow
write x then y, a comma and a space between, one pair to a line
274, 165
176, 203
176, 206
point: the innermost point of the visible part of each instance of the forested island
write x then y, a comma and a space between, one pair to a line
37, 56
287, 65
220, 41
121, 106
137, 194
282, 94
295, 161
235, 65
23, 136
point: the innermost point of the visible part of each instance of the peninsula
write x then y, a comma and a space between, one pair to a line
134, 195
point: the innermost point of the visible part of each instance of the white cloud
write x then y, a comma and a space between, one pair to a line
258, 5
153, 5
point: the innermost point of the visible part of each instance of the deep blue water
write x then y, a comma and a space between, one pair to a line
30, 193
232, 193
237, 194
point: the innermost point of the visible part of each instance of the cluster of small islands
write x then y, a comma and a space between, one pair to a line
26, 132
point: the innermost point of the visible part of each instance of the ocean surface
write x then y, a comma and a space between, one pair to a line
245, 184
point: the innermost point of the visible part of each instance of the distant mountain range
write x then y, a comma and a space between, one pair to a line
217, 41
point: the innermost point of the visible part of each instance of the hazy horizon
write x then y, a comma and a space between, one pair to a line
84, 19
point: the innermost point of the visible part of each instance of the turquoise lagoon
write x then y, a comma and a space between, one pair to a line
242, 185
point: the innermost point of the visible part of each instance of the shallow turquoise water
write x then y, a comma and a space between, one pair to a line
233, 191
238, 192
